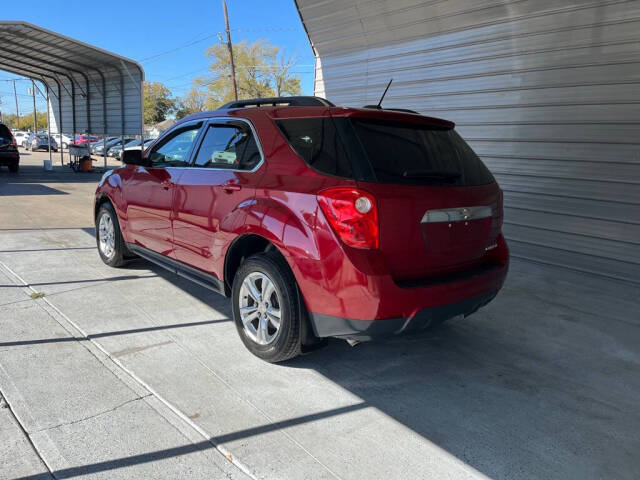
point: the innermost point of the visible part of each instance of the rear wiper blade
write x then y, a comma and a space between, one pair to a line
448, 175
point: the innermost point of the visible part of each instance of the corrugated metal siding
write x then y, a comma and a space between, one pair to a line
119, 120
546, 91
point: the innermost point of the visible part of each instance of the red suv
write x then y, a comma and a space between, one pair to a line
318, 221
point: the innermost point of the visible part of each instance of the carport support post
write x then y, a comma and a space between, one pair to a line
60, 124
35, 118
104, 149
46, 86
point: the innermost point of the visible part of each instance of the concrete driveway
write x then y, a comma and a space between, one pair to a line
134, 373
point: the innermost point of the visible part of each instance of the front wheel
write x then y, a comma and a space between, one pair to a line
266, 307
108, 237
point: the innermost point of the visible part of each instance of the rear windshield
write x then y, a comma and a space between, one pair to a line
411, 154
4, 131
386, 152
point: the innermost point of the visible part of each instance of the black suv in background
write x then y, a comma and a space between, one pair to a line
9, 155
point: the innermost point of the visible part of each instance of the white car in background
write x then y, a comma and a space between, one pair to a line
21, 138
64, 140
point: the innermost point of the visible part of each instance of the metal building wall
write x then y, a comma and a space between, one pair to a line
546, 91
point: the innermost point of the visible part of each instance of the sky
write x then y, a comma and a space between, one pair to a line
168, 38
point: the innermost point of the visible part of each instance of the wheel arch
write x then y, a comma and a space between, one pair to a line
101, 199
243, 247
249, 244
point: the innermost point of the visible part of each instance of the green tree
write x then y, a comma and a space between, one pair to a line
25, 122
283, 81
261, 71
158, 102
195, 101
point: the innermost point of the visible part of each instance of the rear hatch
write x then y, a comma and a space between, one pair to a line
439, 207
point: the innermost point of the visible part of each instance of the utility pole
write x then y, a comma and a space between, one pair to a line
35, 118
233, 68
15, 95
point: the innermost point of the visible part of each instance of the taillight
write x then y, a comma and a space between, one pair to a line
353, 216
13, 141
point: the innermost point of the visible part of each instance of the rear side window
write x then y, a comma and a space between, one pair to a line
4, 131
317, 142
227, 145
419, 155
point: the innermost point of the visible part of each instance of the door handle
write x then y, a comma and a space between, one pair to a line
166, 184
231, 187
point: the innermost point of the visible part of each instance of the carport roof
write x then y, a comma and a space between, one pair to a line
103, 90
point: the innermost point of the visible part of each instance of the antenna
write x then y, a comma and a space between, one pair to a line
384, 93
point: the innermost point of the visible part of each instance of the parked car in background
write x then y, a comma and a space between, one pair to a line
84, 139
63, 140
135, 144
41, 141
316, 220
98, 147
9, 155
21, 138
115, 150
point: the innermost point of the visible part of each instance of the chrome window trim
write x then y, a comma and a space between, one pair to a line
214, 120
459, 214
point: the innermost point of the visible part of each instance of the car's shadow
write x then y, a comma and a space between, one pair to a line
524, 388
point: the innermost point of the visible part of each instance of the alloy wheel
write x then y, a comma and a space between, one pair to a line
260, 310
106, 236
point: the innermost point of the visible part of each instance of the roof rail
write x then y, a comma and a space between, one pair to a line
404, 110
277, 101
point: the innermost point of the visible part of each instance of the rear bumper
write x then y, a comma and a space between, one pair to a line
368, 305
329, 326
9, 158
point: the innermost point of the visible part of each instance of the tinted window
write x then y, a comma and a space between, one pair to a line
175, 148
228, 145
4, 131
316, 140
419, 155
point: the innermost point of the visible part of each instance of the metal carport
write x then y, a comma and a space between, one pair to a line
89, 90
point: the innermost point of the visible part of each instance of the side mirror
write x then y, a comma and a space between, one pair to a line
133, 157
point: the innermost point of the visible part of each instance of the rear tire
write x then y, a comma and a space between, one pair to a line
109, 240
266, 307
13, 167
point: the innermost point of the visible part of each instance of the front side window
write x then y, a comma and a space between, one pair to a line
174, 150
228, 145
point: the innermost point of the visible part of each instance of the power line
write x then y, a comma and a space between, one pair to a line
195, 42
